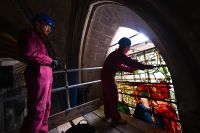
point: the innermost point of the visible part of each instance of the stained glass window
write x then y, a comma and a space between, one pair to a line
149, 94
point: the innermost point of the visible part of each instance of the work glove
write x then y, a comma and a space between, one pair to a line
54, 63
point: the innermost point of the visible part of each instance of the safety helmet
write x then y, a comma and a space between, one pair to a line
44, 18
124, 42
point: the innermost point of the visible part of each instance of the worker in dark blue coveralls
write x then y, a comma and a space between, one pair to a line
117, 61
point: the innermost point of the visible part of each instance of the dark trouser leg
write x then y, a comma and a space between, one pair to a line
110, 93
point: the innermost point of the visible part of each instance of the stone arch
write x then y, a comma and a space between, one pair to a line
167, 33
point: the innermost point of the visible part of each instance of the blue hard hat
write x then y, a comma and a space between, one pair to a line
124, 42
44, 18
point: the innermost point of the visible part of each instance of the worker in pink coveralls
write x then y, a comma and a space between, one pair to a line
38, 74
117, 61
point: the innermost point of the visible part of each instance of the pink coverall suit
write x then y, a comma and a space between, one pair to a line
116, 61
38, 77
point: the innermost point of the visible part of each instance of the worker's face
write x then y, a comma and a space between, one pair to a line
44, 28
126, 49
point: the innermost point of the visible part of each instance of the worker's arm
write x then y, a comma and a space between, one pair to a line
32, 54
134, 63
125, 68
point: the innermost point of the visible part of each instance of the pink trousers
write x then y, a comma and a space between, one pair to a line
39, 84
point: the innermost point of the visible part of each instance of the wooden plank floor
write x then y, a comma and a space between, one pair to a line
96, 118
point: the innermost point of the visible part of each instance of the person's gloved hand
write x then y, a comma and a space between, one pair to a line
54, 63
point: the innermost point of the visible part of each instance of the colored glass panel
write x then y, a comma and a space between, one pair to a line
150, 92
